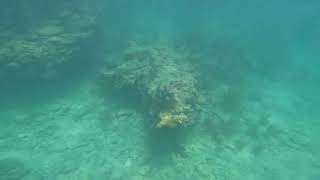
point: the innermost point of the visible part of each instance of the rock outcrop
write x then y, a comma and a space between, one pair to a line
162, 78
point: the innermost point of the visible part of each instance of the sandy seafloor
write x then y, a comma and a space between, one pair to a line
79, 135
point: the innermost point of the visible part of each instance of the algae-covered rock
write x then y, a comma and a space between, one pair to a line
162, 78
48, 48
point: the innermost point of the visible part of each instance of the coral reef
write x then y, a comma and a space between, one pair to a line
162, 78
44, 50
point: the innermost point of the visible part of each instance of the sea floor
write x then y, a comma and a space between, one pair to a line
270, 133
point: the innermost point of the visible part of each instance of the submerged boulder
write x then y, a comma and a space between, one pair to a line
162, 78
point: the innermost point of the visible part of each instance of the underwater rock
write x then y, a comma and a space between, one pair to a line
53, 46
163, 80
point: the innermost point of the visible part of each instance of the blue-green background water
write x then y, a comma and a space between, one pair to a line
258, 63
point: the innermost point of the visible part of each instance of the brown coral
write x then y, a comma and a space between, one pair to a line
169, 120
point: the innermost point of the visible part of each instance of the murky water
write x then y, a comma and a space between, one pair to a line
209, 90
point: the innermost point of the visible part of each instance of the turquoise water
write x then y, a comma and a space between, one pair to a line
255, 64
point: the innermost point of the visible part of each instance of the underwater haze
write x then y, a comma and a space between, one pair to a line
159, 90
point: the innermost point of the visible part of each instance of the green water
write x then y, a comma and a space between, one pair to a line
257, 70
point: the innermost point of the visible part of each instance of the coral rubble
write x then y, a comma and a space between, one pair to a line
163, 79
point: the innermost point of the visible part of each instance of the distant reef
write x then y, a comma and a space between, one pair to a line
161, 78
49, 49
